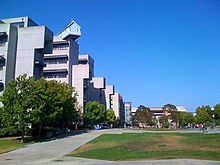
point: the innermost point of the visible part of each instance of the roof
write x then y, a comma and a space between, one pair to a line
71, 29
156, 108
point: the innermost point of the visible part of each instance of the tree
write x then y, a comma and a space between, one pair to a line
143, 116
16, 112
52, 101
27, 101
204, 115
169, 108
175, 117
95, 113
164, 121
110, 116
216, 114
186, 118
172, 110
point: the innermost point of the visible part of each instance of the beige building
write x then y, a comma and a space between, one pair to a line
65, 64
65, 54
118, 107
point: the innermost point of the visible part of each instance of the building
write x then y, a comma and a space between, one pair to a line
128, 113
65, 64
65, 53
27, 48
22, 47
118, 108
109, 92
157, 111
181, 109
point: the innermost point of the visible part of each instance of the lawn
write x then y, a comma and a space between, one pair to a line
10, 143
134, 146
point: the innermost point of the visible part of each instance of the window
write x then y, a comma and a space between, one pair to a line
55, 75
56, 61
1, 86
62, 46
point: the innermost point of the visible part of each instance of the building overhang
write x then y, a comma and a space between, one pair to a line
55, 71
55, 57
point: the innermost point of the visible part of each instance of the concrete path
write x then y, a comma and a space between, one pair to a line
52, 152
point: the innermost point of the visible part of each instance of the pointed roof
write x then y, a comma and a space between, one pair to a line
71, 30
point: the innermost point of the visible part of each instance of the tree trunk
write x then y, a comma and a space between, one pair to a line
53, 122
40, 129
22, 135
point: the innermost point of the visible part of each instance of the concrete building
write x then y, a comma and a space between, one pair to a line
65, 54
22, 47
181, 109
82, 75
26, 48
128, 113
118, 108
109, 92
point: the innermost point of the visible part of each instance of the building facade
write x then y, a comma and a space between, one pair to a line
22, 47
27, 48
128, 113
65, 54
118, 108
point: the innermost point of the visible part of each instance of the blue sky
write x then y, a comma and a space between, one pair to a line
154, 52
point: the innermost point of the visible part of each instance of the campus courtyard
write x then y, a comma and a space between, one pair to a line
55, 151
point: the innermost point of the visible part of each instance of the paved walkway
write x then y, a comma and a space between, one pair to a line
52, 152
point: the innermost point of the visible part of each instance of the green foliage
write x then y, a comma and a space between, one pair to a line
95, 113
217, 114
186, 118
175, 117
143, 116
27, 101
110, 116
204, 115
164, 121
16, 113
169, 107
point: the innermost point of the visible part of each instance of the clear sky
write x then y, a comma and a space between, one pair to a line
154, 51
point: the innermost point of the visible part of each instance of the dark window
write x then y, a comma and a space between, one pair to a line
3, 38
55, 75
62, 46
56, 61
1, 86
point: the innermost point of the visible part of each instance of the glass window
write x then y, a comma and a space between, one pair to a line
56, 61
55, 75
62, 46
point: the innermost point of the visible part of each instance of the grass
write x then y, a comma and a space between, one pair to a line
133, 146
10, 143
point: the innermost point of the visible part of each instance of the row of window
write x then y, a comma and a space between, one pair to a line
55, 75
56, 61
61, 46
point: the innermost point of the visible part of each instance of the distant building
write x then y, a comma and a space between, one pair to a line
181, 109
157, 111
118, 108
128, 113
22, 47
